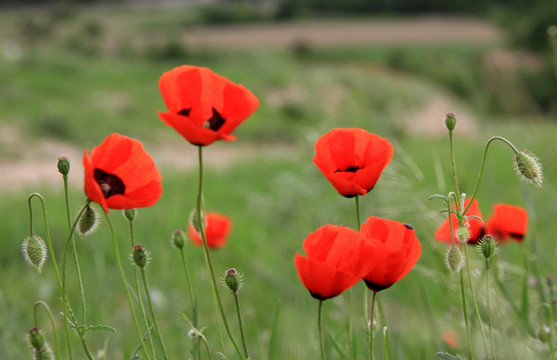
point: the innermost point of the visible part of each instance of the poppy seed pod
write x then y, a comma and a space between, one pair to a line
450, 121
63, 165
130, 214
34, 251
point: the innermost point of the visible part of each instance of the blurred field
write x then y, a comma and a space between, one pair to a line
68, 79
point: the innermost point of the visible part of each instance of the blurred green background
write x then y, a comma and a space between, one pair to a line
71, 73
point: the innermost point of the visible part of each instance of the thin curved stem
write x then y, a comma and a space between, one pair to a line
53, 257
52, 325
320, 329
76, 259
206, 251
482, 168
124, 281
152, 310
237, 301
371, 330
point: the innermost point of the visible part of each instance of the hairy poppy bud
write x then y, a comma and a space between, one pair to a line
454, 259
488, 246
529, 167
88, 221
34, 251
194, 220
179, 239
63, 165
463, 234
130, 214
233, 280
450, 121
140, 256
39, 346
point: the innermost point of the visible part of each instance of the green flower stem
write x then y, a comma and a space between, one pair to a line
488, 291
237, 302
320, 329
151, 309
482, 168
371, 330
474, 300
465, 311
206, 251
195, 344
52, 324
124, 281
453, 162
358, 219
51, 251
138, 290
76, 259
351, 337
386, 347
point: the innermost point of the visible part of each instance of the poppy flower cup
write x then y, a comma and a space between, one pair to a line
397, 250
337, 258
507, 222
217, 229
352, 159
475, 226
202, 106
120, 174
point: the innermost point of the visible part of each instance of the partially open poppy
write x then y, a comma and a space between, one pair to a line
217, 229
507, 222
203, 106
120, 174
337, 258
352, 159
397, 249
475, 226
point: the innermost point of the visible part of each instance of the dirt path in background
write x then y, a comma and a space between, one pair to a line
422, 30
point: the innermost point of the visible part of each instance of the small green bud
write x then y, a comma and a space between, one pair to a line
63, 165
36, 338
450, 121
549, 280
528, 166
88, 221
39, 347
34, 251
194, 220
130, 214
140, 255
488, 246
454, 259
463, 234
179, 239
544, 334
233, 280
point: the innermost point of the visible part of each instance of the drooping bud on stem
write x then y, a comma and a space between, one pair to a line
179, 239
63, 165
528, 166
233, 280
39, 346
34, 251
454, 259
130, 214
88, 221
140, 256
450, 121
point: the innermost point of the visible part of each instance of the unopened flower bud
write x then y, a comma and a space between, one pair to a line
63, 165
549, 280
179, 239
140, 256
34, 251
130, 214
544, 334
454, 259
528, 166
194, 220
36, 338
450, 121
463, 234
39, 346
488, 246
233, 280
88, 221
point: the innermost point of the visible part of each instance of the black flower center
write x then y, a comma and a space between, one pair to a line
185, 112
110, 184
408, 226
215, 122
349, 169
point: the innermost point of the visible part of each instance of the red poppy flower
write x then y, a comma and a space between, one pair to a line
507, 222
217, 229
397, 251
337, 258
475, 226
203, 106
121, 175
352, 159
